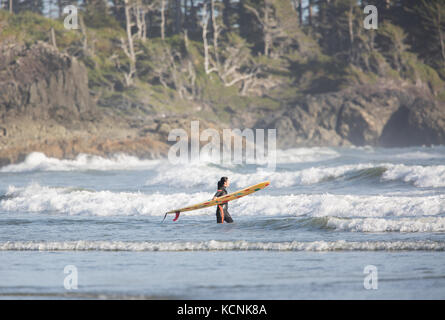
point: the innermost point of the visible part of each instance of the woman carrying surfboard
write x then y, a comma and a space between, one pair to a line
222, 213
220, 200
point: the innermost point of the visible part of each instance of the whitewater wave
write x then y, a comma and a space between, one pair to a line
199, 176
205, 177
205, 174
68, 201
420, 176
38, 161
419, 155
214, 245
423, 224
301, 155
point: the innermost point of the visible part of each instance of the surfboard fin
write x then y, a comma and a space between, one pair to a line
176, 217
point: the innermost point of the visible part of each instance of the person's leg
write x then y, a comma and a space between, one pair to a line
227, 217
218, 215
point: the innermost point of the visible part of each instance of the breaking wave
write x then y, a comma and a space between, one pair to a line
69, 201
214, 245
197, 176
38, 161
420, 176
205, 174
422, 224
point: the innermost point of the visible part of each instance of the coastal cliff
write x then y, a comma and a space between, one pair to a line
66, 92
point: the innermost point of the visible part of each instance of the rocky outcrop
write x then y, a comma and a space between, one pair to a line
376, 116
45, 106
40, 81
419, 123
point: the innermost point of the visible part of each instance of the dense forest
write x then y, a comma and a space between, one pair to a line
285, 64
213, 51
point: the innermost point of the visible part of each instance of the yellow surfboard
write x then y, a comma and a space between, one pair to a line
221, 200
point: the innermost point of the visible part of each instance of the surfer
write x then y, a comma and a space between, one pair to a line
222, 213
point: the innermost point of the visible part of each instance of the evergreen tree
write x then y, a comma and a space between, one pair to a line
28, 5
432, 15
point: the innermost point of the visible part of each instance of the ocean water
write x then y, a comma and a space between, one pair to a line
335, 223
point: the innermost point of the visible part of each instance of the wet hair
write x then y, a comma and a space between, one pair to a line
221, 182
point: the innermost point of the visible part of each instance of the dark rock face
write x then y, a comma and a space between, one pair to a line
421, 123
360, 116
42, 82
45, 106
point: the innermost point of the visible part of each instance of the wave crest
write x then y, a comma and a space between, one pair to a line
214, 245
68, 201
423, 224
38, 161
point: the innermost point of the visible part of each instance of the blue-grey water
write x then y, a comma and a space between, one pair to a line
327, 216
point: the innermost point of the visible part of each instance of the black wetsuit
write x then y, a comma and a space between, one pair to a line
222, 209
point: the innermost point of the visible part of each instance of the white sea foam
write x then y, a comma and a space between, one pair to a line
36, 198
205, 176
38, 161
420, 176
321, 205
214, 245
422, 224
419, 155
299, 155
194, 176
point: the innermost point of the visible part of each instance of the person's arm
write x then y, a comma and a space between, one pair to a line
217, 194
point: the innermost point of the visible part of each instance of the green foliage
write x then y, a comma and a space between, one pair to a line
417, 71
30, 27
392, 41
97, 16
331, 53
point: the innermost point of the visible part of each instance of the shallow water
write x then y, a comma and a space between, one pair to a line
328, 213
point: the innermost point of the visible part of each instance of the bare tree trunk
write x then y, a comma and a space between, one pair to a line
216, 32
129, 47
163, 19
140, 12
204, 40
351, 30
53, 37
10, 6
266, 26
204, 24
83, 29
